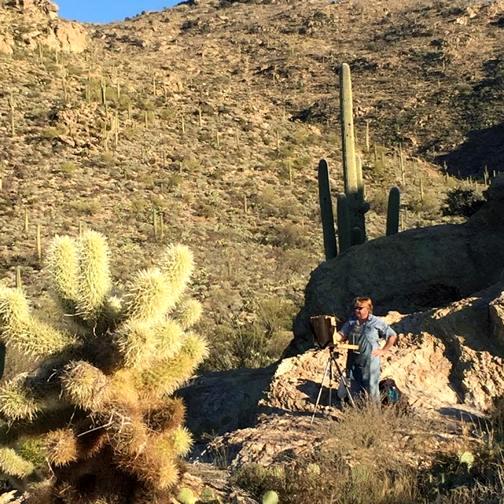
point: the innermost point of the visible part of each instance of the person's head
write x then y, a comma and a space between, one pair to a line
362, 307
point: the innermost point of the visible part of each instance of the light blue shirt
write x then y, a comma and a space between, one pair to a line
367, 335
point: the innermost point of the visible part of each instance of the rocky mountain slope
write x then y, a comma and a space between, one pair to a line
205, 123
213, 115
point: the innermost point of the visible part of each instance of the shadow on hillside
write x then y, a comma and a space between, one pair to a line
482, 148
328, 394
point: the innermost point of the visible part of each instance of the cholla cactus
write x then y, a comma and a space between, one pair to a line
117, 435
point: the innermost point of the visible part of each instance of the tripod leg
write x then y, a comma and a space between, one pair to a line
330, 381
320, 390
343, 378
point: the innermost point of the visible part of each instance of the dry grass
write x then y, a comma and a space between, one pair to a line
387, 456
359, 463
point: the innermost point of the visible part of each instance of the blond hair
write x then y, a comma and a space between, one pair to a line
364, 300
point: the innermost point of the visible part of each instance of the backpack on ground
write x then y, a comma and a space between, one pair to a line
389, 392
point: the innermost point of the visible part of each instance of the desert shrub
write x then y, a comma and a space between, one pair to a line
51, 132
272, 204
327, 478
429, 204
474, 474
257, 344
379, 202
139, 205
105, 159
361, 462
125, 101
67, 168
235, 347
168, 114
85, 206
298, 260
462, 202
290, 235
497, 421
275, 314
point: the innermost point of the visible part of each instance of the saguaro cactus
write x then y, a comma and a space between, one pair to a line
351, 205
107, 371
344, 229
352, 169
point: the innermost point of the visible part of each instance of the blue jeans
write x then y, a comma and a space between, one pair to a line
364, 375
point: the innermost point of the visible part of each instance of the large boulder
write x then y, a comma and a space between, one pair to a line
412, 270
497, 318
440, 379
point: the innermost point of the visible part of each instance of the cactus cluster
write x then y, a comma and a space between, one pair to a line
351, 204
101, 388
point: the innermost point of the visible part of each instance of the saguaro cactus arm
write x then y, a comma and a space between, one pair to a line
347, 131
393, 207
344, 224
326, 211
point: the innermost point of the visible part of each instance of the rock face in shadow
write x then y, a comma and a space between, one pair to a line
482, 148
225, 401
412, 270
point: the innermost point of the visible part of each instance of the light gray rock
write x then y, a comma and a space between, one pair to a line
496, 310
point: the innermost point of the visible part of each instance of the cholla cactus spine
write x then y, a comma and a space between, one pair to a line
115, 373
63, 265
25, 333
16, 402
14, 465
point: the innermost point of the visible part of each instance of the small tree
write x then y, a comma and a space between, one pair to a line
462, 202
104, 375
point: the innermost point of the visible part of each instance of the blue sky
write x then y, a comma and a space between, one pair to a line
104, 11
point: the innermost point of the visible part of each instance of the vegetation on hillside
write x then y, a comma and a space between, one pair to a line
205, 124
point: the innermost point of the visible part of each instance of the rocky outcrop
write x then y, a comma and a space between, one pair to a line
6, 43
438, 382
67, 36
412, 270
43, 8
447, 362
28, 24
497, 318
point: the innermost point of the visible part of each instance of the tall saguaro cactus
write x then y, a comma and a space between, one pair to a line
101, 389
351, 205
352, 169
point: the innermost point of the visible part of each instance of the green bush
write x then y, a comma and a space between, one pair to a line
67, 168
462, 202
255, 345
290, 235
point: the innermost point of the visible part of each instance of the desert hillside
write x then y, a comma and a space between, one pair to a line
213, 116
204, 124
